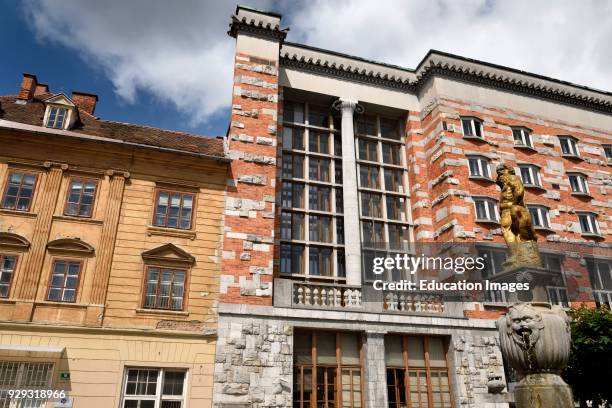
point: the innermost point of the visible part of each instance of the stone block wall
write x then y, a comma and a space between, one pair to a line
254, 363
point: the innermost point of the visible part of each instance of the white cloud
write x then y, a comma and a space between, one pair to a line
180, 52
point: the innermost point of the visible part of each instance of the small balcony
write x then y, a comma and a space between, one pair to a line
327, 296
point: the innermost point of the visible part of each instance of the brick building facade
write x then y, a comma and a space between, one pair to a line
335, 158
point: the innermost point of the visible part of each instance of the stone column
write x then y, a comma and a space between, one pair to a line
46, 206
375, 381
352, 234
104, 252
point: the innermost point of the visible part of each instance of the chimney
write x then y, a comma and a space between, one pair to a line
41, 89
28, 86
85, 101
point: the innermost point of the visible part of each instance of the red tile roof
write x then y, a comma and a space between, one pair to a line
32, 113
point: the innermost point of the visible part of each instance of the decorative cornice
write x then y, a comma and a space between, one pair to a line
13, 241
435, 63
70, 245
257, 23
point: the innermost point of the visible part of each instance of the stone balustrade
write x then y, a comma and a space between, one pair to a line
326, 295
414, 302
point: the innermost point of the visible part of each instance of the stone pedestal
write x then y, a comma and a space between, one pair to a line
543, 391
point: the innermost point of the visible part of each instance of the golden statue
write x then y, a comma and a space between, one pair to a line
516, 225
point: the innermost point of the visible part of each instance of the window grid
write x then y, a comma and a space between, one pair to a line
154, 388
568, 146
383, 199
472, 127
530, 175
24, 375
165, 288
64, 282
479, 166
7, 270
173, 209
486, 209
57, 117
80, 197
522, 137
311, 245
588, 223
578, 183
540, 216
19, 191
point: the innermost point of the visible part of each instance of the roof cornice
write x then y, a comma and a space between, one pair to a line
439, 64
257, 23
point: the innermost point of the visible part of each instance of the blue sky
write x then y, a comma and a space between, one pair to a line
170, 64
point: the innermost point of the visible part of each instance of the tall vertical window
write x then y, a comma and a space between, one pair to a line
311, 233
19, 191
540, 217
81, 194
417, 372
7, 270
588, 223
56, 117
384, 221
327, 369
569, 146
472, 127
486, 209
479, 167
154, 388
173, 209
64, 281
522, 137
530, 175
165, 288
578, 183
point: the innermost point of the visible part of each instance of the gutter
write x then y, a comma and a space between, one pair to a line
9, 125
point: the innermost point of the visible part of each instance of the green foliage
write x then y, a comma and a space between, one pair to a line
589, 371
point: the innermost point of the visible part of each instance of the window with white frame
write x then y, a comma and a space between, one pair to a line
56, 117
522, 137
557, 295
486, 209
154, 388
472, 127
608, 151
530, 175
568, 146
588, 223
479, 167
600, 273
24, 375
578, 183
540, 217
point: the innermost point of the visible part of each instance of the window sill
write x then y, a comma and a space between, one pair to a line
75, 305
18, 213
170, 232
314, 278
534, 187
162, 312
482, 178
84, 220
591, 235
546, 230
475, 138
526, 148
571, 156
493, 222
581, 195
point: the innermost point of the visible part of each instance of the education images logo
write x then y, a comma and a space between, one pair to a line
437, 273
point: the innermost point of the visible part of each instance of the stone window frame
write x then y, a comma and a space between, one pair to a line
524, 139
483, 163
7, 183
533, 170
294, 249
490, 203
158, 397
582, 183
543, 212
592, 224
182, 192
369, 129
427, 369
572, 144
79, 203
338, 367
471, 126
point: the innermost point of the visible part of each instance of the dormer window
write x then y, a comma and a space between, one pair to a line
57, 117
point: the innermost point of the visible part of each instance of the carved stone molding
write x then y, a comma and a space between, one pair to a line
12, 241
70, 246
168, 254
